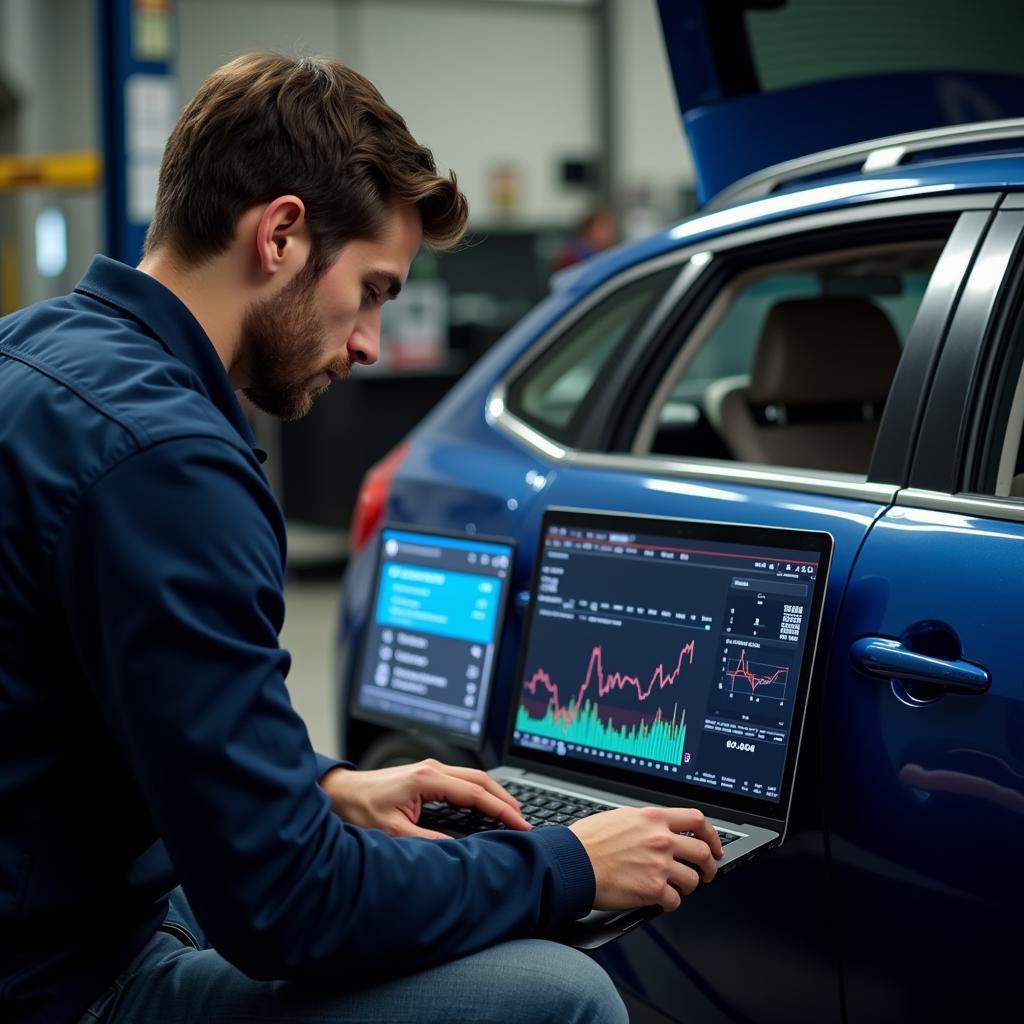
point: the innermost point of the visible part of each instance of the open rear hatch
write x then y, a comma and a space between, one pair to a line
763, 82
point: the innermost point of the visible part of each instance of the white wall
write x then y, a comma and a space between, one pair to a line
650, 147
211, 32
489, 84
483, 84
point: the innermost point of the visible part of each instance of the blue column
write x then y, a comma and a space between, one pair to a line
138, 41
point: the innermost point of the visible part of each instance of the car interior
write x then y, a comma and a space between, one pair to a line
791, 364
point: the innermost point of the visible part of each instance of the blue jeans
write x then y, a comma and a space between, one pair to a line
529, 980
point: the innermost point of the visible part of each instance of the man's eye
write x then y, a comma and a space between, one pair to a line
372, 296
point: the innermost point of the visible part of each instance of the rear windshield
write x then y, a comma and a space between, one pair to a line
813, 40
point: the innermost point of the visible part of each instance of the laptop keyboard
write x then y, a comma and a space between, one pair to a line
540, 807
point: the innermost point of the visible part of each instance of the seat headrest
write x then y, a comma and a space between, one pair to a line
824, 350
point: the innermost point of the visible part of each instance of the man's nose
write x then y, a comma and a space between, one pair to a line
364, 342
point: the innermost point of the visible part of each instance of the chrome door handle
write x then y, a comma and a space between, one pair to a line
889, 659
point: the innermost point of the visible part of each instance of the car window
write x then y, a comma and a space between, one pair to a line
552, 389
792, 363
806, 42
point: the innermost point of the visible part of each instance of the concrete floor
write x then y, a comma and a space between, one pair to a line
311, 610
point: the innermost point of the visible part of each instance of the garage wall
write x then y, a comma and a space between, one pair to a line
650, 151
483, 84
211, 32
490, 84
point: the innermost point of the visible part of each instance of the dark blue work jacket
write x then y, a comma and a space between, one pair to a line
146, 736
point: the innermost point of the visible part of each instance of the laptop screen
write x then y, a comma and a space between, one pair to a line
428, 653
670, 654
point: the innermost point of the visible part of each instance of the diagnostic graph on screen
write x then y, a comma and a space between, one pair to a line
611, 696
760, 678
679, 651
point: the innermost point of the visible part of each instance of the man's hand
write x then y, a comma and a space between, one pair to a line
640, 860
390, 799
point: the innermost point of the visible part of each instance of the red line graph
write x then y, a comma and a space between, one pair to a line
606, 683
743, 669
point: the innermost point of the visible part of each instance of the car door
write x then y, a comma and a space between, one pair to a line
923, 728
762, 943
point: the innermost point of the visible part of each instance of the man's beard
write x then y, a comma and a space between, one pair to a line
284, 340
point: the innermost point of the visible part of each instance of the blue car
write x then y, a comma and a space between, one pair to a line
834, 342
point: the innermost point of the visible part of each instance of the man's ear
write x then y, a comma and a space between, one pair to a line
282, 236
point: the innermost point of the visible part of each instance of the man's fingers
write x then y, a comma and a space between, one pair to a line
709, 834
670, 899
483, 779
696, 853
683, 878
689, 819
470, 794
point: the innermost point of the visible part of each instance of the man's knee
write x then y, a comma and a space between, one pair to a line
567, 986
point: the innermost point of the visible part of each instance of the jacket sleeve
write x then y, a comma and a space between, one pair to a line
170, 575
324, 764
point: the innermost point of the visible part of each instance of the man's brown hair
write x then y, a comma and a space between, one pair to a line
264, 126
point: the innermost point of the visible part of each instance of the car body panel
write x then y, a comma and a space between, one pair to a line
926, 799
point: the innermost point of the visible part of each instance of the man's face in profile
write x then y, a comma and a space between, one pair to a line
285, 340
315, 329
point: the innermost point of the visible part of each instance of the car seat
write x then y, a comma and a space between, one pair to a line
821, 373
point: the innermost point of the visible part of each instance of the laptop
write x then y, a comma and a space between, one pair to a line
663, 661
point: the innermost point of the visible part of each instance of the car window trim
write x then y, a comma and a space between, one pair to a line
996, 412
843, 485
567, 321
941, 461
974, 505
907, 402
647, 324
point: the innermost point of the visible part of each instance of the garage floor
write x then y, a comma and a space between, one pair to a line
311, 608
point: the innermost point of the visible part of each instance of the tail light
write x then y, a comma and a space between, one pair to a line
373, 497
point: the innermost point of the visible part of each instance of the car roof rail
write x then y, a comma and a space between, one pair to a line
872, 156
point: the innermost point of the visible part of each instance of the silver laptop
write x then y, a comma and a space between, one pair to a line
663, 661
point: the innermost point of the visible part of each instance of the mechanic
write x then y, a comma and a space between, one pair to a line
147, 743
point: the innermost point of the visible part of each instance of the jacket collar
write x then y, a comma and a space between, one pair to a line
172, 324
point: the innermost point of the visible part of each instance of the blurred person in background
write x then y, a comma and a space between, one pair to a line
595, 233
171, 847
